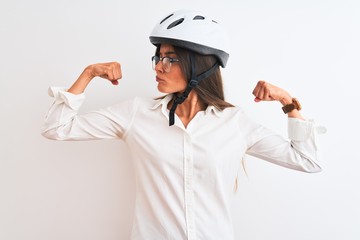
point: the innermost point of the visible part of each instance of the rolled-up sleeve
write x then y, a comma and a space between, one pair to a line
63, 121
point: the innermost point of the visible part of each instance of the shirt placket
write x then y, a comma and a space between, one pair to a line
189, 187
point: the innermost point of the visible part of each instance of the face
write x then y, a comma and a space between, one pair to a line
174, 80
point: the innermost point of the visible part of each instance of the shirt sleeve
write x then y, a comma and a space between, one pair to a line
298, 152
63, 122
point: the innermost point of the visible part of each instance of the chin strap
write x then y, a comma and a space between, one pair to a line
192, 84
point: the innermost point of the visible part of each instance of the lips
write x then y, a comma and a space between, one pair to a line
159, 79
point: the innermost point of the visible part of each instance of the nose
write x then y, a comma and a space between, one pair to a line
158, 67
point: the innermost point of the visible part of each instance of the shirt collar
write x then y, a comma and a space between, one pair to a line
214, 110
166, 99
163, 101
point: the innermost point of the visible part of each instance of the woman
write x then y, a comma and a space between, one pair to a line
185, 172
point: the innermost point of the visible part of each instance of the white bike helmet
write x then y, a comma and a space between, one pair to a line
194, 31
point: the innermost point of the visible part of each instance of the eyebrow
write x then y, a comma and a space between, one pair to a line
168, 53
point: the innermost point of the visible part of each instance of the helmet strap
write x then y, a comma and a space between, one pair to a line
194, 81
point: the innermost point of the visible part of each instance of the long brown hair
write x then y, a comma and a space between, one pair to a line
209, 90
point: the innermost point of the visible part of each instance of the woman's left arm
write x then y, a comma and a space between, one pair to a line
301, 152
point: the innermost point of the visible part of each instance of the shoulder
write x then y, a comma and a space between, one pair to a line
143, 104
238, 116
234, 111
136, 102
148, 102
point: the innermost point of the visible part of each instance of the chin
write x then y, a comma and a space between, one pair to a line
164, 90
167, 90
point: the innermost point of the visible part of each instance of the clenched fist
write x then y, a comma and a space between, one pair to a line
265, 91
110, 71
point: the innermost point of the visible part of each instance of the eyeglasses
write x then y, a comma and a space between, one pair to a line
166, 62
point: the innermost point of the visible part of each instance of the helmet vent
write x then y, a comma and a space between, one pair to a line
175, 23
166, 18
198, 17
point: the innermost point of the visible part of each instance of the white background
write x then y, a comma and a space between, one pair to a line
84, 190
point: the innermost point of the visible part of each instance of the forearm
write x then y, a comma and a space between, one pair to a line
82, 82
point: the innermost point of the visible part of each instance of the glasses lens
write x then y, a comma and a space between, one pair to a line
166, 64
155, 60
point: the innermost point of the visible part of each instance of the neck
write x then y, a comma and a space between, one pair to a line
189, 108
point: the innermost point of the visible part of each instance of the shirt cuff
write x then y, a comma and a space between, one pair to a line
74, 101
301, 130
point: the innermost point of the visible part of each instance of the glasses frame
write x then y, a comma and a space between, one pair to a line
166, 62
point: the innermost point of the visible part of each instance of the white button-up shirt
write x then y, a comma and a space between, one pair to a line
184, 176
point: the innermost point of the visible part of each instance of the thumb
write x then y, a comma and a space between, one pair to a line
115, 82
257, 99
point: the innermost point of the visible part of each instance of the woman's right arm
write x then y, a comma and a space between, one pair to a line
63, 122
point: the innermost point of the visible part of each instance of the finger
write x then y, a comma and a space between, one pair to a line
258, 87
258, 91
255, 91
271, 92
265, 93
117, 69
112, 70
114, 73
109, 72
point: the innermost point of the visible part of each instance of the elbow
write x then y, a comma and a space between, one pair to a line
312, 167
305, 168
47, 135
317, 169
306, 165
50, 134
314, 170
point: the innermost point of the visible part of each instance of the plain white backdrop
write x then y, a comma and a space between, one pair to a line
84, 190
